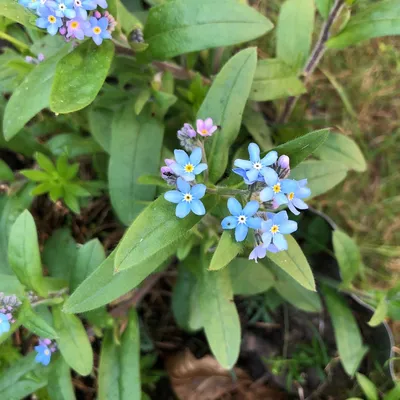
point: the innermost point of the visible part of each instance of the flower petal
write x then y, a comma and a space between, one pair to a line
208, 123
252, 175
293, 209
240, 171
178, 169
199, 125
244, 164
229, 222
234, 207
280, 199
288, 227
198, 191
272, 248
97, 39
270, 176
266, 225
52, 29
288, 185
251, 208
188, 177
241, 232
270, 158
212, 129
266, 238
279, 241
173, 196
266, 194
182, 209
195, 157
103, 23
254, 223
300, 204
258, 252
197, 207
183, 186
280, 217
254, 152
200, 168
181, 157
70, 13
303, 192
41, 23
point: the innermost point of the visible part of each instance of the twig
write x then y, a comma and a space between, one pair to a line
314, 59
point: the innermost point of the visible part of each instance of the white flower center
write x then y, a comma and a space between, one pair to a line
257, 166
242, 219
78, 3
187, 197
274, 229
61, 6
47, 352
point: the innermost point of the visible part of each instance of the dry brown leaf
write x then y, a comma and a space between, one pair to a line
205, 379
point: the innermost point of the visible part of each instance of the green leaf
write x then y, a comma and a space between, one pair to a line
24, 255
73, 341
368, 387
293, 292
380, 313
32, 96
323, 7
273, 80
60, 384
142, 98
249, 278
9, 284
36, 324
294, 32
36, 175
347, 334
45, 163
219, 316
322, 175
294, 262
224, 103
102, 286
184, 26
75, 145
225, 252
342, 149
379, 19
135, 150
80, 75
6, 173
153, 231
90, 256
60, 253
393, 394
100, 125
348, 256
14, 11
302, 147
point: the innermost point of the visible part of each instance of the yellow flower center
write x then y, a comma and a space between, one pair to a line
96, 30
276, 188
188, 197
274, 229
290, 196
242, 219
204, 132
74, 24
189, 168
51, 19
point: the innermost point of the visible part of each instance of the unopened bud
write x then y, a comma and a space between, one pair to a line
284, 162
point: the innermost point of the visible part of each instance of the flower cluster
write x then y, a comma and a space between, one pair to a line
267, 182
8, 308
182, 171
44, 351
73, 19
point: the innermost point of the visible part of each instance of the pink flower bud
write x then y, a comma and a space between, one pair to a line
63, 30
97, 14
40, 57
284, 161
169, 162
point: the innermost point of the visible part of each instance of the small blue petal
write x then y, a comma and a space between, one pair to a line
229, 222
195, 157
173, 196
280, 241
234, 206
177, 168
251, 208
292, 208
288, 185
266, 238
280, 199
244, 164
252, 175
254, 223
270, 176
182, 209
266, 225
270, 158
241, 232
197, 207
198, 191
183, 186
280, 217
303, 193
254, 152
266, 194
200, 168
188, 177
300, 204
181, 157
288, 227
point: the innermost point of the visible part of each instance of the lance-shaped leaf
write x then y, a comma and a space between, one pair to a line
225, 252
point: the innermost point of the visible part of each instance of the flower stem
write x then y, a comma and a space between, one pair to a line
17, 43
204, 158
226, 191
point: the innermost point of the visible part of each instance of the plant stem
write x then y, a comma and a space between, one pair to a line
314, 59
226, 191
17, 43
204, 158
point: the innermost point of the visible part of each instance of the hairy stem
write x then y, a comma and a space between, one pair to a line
226, 191
314, 59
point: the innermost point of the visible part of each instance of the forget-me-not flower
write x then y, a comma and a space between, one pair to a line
241, 219
43, 355
256, 168
206, 127
98, 30
65, 8
295, 197
48, 20
274, 228
4, 323
188, 167
277, 189
187, 198
76, 28
81, 7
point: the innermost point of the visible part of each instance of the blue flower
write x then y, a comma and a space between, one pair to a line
76, 27
187, 198
256, 168
48, 20
187, 167
82, 6
32, 4
4, 323
43, 354
241, 219
98, 30
277, 189
274, 228
294, 197
65, 8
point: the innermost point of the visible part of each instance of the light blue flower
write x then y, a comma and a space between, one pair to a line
82, 6
274, 228
188, 167
4, 323
187, 198
294, 197
43, 355
65, 9
76, 28
241, 219
31, 4
277, 189
48, 20
98, 30
256, 168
